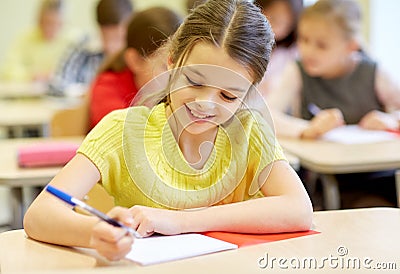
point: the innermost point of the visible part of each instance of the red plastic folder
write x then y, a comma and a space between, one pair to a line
48, 154
242, 240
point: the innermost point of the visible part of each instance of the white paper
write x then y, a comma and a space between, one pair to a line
158, 249
353, 134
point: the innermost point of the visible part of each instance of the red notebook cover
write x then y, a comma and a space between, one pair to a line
241, 239
47, 154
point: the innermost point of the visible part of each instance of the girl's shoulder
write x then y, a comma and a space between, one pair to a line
126, 116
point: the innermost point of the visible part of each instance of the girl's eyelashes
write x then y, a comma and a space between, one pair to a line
192, 83
226, 96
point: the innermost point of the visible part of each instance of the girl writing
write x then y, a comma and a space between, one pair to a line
200, 147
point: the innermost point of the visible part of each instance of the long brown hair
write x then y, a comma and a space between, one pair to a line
296, 7
237, 26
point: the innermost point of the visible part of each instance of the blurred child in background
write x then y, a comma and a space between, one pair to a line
79, 66
121, 77
334, 74
34, 55
335, 83
283, 16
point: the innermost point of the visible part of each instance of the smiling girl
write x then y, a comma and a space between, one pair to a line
200, 147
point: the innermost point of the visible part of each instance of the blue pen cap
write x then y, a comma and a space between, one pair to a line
62, 195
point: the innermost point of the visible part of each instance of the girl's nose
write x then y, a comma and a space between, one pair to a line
206, 98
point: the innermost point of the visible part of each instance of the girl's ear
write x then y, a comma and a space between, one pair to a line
170, 64
133, 59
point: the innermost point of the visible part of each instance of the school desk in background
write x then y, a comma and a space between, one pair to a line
17, 178
46, 154
327, 158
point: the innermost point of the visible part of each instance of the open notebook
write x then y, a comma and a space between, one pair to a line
353, 134
159, 249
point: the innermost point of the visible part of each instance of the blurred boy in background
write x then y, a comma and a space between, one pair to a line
34, 55
79, 66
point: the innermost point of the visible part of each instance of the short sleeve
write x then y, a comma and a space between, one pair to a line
104, 142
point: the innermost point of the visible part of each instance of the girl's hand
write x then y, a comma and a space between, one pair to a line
323, 122
149, 220
377, 120
113, 242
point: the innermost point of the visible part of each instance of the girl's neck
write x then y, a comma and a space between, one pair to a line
196, 148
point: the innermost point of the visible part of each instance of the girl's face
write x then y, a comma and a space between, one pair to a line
209, 89
280, 16
323, 48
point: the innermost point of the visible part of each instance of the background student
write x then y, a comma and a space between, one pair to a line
200, 147
80, 64
333, 73
121, 77
33, 56
349, 87
283, 16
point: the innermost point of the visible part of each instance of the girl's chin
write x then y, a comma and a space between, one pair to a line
312, 71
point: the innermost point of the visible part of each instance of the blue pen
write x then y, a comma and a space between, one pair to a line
76, 202
313, 109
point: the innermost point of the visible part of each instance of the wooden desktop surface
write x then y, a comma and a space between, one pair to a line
329, 158
14, 176
18, 114
334, 158
359, 234
10, 90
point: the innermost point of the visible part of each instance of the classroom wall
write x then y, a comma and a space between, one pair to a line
17, 15
384, 35
379, 28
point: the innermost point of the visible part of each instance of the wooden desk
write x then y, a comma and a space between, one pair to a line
18, 114
16, 178
365, 233
327, 159
22, 90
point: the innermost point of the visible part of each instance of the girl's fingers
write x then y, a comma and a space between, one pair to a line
121, 214
117, 250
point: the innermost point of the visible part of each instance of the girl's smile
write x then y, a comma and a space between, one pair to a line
198, 116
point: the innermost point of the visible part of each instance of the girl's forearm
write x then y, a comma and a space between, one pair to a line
264, 215
60, 225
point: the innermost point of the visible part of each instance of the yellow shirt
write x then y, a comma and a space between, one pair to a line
141, 164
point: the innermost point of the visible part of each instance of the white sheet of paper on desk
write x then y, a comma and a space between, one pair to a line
353, 134
159, 249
